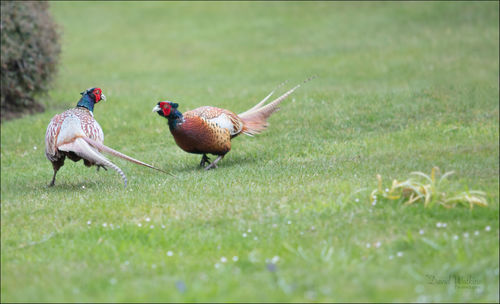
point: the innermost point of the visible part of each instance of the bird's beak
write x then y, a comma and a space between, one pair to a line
103, 98
156, 109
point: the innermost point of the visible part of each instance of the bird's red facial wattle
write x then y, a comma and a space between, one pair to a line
97, 94
166, 108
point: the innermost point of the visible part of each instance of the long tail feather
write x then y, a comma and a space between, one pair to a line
81, 148
263, 100
255, 119
107, 149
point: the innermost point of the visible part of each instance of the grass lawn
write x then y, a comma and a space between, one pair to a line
402, 87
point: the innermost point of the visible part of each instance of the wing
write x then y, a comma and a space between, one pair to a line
221, 117
51, 136
90, 126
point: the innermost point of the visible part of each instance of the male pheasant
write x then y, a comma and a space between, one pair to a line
76, 134
209, 129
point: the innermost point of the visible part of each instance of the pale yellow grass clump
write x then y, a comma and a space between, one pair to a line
428, 190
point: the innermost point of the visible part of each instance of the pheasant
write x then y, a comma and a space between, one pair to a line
209, 130
76, 134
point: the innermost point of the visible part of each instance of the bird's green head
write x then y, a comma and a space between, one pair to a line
90, 97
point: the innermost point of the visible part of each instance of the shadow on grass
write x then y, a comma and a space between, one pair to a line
84, 182
193, 164
41, 188
65, 186
110, 180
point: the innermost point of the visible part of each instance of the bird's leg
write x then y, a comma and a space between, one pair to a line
53, 179
204, 159
56, 165
214, 164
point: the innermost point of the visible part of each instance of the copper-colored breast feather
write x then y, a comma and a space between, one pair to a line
197, 134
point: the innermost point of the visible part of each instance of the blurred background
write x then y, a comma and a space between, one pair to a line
184, 51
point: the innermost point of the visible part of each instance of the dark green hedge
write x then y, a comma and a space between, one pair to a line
30, 52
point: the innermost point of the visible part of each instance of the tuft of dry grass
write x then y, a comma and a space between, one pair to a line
429, 190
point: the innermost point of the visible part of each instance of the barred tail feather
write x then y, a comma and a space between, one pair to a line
107, 149
255, 119
263, 100
81, 148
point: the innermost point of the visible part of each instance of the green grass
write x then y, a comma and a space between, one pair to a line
402, 87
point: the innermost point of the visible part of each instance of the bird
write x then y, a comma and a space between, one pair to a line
209, 130
77, 135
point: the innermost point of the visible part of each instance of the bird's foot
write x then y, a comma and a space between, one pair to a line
214, 164
211, 166
101, 166
204, 159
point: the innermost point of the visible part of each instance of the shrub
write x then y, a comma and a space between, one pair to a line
30, 52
